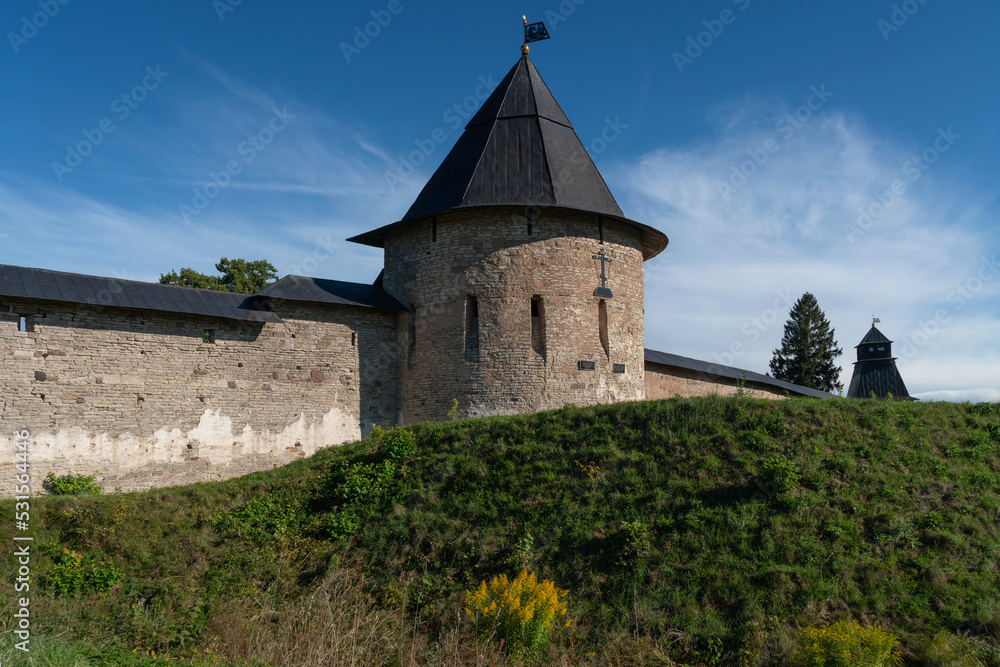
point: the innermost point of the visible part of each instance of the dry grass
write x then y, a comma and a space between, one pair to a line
340, 624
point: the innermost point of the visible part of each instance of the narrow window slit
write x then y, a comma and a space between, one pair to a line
538, 326
602, 317
411, 332
472, 329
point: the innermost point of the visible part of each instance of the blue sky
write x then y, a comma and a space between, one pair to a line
846, 149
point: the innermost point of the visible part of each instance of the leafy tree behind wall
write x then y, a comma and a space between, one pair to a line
808, 348
238, 275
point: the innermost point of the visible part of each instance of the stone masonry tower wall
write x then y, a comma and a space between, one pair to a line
497, 263
502, 317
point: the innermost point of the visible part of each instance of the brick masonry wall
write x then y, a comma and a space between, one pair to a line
435, 265
138, 399
669, 381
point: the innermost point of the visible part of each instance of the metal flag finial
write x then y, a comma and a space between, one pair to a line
875, 320
533, 32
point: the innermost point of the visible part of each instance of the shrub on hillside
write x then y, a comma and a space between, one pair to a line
848, 644
634, 540
780, 474
70, 484
521, 612
69, 576
258, 520
359, 489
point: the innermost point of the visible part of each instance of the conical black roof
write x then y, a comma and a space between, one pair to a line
879, 377
873, 336
518, 150
875, 371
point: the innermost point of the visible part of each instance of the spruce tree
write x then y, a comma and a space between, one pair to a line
807, 348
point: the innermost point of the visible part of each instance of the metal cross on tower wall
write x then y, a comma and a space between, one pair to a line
603, 290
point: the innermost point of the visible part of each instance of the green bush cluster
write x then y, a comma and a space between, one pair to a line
358, 490
779, 473
69, 576
71, 485
521, 554
354, 490
634, 539
985, 408
259, 519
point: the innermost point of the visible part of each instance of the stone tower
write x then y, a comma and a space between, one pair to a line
523, 278
875, 370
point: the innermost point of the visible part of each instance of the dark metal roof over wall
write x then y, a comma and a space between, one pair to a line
319, 290
711, 370
517, 151
878, 376
27, 283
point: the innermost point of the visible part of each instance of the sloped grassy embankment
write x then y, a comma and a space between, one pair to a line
696, 531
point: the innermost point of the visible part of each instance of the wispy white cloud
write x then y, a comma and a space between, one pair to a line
752, 212
314, 183
310, 187
250, 93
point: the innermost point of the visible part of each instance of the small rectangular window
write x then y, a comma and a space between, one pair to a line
208, 336
585, 365
619, 368
354, 339
22, 323
472, 329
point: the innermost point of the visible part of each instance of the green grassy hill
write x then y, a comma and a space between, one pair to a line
689, 532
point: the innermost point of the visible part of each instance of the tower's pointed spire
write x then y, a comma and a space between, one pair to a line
519, 149
875, 371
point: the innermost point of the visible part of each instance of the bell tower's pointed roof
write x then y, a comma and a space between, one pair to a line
875, 371
873, 336
518, 150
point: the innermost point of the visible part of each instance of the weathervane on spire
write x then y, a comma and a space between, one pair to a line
533, 32
875, 320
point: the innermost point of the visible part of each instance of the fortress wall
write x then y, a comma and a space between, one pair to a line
435, 266
669, 381
138, 399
